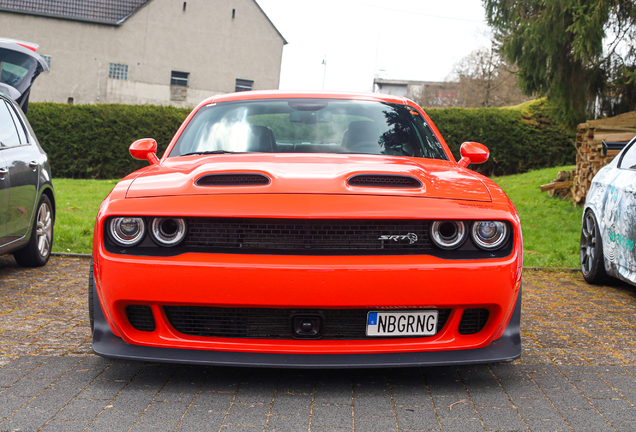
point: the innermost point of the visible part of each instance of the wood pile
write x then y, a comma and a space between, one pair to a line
590, 156
559, 186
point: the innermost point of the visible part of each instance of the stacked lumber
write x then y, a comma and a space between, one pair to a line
559, 186
590, 156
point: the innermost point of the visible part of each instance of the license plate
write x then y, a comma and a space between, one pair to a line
411, 323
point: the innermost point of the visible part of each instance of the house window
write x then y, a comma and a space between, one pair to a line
118, 71
179, 78
243, 85
47, 59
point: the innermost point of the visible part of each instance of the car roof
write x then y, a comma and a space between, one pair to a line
6, 98
286, 94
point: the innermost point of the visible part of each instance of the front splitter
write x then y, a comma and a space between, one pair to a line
505, 349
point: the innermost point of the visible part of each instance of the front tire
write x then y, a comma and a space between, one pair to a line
38, 250
592, 260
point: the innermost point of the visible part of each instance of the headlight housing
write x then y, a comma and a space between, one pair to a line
448, 234
126, 231
489, 235
168, 231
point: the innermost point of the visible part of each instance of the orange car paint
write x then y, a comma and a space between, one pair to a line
307, 186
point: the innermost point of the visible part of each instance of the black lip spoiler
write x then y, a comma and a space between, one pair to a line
505, 349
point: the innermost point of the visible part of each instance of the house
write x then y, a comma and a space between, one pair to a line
426, 93
146, 51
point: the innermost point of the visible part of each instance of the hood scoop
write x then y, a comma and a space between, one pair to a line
308, 175
384, 180
233, 179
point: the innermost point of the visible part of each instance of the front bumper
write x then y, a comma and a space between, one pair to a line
293, 282
505, 349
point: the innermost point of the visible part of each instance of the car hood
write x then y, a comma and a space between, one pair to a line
308, 174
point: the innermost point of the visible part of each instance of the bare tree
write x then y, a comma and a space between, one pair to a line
484, 79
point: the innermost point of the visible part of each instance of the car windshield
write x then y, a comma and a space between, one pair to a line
14, 66
309, 126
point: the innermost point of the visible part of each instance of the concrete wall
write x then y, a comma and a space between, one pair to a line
161, 37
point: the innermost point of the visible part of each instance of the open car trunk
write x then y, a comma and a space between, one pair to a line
19, 66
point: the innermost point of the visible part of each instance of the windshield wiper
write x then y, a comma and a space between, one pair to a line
210, 152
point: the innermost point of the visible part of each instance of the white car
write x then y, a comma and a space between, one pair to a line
609, 221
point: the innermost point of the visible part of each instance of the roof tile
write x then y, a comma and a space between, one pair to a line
104, 11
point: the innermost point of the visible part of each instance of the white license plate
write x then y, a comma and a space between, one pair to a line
411, 323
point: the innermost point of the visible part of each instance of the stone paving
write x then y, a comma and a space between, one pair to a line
578, 372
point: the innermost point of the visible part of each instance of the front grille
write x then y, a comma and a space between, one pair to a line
258, 323
140, 317
309, 236
383, 180
233, 180
473, 320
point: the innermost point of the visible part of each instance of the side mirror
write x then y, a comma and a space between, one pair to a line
145, 149
472, 152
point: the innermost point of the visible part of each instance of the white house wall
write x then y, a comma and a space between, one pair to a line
204, 40
139, 93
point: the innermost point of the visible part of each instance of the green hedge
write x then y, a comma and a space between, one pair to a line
519, 138
91, 141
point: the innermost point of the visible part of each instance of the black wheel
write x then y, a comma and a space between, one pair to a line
38, 250
91, 288
592, 261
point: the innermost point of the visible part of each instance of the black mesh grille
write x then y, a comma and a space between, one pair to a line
473, 320
384, 181
306, 236
140, 317
233, 180
257, 323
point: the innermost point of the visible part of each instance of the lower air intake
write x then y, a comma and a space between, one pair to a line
259, 323
141, 318
473, 321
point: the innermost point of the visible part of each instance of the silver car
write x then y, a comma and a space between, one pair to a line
27, 202
609, 221
19, 66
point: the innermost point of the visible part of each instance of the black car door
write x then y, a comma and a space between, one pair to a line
23, 164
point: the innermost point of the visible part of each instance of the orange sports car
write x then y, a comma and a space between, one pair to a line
307, 230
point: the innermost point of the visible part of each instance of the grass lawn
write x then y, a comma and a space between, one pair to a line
77, 202
551, 227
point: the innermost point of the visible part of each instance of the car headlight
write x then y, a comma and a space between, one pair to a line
489, 234
448, 234
168, 231
127, 231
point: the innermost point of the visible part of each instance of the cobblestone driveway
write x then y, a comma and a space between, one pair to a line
578, 372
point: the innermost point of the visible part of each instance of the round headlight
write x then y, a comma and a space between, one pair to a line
448, 234
489, 234
168, 231
126, 231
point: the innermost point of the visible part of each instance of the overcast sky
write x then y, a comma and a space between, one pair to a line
398, 39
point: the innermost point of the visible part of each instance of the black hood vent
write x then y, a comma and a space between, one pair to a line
384, 180
233, 180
